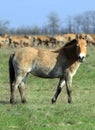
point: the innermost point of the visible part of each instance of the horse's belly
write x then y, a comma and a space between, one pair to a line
47, 72
39, 73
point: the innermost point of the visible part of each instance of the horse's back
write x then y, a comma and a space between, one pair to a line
29, 59
28, 53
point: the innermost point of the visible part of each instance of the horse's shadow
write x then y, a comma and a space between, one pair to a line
4, 102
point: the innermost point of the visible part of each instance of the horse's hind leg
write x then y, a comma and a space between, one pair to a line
58, 90
21, 92
15, 85
12, 91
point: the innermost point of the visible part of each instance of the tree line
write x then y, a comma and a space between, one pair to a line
80, 23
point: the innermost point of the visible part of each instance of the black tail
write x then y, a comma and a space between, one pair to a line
11, 70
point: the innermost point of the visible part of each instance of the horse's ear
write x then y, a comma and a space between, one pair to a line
80, 36
86, 38
83, 36
77, 36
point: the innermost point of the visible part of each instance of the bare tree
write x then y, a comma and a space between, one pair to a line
91, 15
85, 22
36, 30
4, 26
69, 24
77, 23
81, 23
53, 23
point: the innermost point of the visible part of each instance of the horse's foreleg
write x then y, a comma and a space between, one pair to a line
58, 90
21, 92
68, 88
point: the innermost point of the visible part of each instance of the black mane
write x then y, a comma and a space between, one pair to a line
72, 42
66, 45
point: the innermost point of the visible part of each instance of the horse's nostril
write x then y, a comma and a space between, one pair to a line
81, 58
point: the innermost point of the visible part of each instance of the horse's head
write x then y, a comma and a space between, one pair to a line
81, 49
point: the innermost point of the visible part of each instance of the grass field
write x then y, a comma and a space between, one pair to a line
38, 113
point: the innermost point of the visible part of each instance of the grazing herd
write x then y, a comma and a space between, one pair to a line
17, 41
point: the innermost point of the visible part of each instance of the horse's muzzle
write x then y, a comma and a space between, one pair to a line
81, 59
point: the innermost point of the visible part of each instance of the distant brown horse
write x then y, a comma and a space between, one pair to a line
62, 63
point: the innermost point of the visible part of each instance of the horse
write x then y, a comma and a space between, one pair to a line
59, 63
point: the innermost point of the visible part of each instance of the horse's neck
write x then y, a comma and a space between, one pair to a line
74, 67
70, 53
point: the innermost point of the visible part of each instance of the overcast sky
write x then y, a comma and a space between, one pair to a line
35, 12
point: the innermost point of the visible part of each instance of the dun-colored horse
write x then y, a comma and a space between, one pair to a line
62, 64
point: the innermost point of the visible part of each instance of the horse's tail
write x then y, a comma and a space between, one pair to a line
11, 70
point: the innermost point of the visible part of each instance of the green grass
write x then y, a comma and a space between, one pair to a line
38, 113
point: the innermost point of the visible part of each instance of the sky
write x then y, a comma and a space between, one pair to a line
35, 12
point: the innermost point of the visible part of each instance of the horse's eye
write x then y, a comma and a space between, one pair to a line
77, 45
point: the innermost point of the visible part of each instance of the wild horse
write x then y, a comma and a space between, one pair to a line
61, 63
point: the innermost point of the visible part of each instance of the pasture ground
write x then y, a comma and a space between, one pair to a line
38, 113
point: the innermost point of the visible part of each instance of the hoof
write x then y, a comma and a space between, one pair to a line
53, 101
24, 101
12, 102
70, 101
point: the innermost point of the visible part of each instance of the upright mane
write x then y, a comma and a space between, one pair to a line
70, 43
